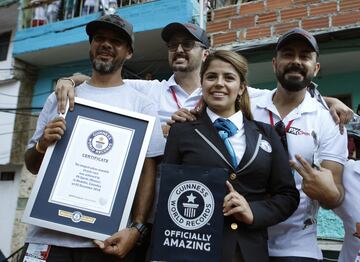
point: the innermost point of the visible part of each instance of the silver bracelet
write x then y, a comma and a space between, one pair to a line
67, 78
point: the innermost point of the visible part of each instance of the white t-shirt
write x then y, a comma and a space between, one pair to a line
349, 212
290, 238
124, 97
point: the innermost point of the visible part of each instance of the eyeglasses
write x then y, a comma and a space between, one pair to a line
187, 45
280, 130
115, 41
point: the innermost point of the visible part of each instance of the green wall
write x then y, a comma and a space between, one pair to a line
332, 85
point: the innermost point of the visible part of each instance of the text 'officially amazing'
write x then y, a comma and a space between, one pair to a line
187, 240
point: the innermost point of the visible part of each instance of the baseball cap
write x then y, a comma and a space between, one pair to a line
298, 33
198, 33
112, 22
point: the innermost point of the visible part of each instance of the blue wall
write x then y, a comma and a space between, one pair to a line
147, 16
47, 77
144, 17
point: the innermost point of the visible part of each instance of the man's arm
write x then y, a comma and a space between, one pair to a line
65, 88
324, 185
340, 112
122, 242
53, 132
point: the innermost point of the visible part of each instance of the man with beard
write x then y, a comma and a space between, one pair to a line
310, 136
188, 47
111, 44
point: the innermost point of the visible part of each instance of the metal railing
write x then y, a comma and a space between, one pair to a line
41, 12
213, 4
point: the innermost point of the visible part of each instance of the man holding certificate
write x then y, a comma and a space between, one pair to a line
111, 44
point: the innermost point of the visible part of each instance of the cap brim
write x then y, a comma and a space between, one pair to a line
172, 28
295, 36
94, 26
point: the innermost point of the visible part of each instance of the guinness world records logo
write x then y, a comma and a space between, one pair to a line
100, 142
191, 205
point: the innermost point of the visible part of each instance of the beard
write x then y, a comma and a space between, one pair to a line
293, 84
191, 65
105, 67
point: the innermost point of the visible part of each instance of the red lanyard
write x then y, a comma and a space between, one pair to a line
177, 101
272, 122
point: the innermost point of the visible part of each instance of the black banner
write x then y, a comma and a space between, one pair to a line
189, 218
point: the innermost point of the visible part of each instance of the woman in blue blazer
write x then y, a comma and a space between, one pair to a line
261, 188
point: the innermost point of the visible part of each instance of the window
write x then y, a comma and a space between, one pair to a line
4, 45
7, 176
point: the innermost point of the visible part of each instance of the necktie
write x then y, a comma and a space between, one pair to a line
226, 129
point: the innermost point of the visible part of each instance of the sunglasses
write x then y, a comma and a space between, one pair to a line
187, 45
280, 130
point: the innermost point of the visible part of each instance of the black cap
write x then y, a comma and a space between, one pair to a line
115, 23
298, 33
198, 33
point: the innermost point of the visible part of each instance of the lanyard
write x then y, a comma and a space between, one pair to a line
272, 122
174, 96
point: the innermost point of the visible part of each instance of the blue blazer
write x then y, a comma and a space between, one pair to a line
263, 177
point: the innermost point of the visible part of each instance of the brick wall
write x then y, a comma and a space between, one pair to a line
263, 21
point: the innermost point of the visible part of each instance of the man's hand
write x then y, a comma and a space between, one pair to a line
317, 184
340, 112
121, 243
237, 206
183, 115
65, 89
53, 132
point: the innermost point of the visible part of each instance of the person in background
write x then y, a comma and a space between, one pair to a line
349, 212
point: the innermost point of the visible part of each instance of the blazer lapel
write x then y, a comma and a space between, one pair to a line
205, 126
252, 139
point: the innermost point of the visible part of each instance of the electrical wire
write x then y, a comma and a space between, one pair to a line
38, 94
17, 132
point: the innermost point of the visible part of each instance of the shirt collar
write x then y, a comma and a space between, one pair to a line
171, 83
309, 104
236, 118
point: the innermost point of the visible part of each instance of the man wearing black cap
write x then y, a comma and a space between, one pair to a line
311, 136
111, 44
188, 47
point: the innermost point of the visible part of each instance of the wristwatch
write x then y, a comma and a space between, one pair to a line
143, 230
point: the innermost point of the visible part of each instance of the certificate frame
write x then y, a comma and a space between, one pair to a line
49, 207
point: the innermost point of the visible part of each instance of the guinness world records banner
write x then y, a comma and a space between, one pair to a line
189, 218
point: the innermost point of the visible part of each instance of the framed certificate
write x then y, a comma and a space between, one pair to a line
87, 181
